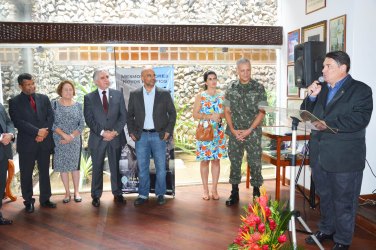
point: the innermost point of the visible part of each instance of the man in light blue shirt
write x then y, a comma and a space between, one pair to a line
152, 118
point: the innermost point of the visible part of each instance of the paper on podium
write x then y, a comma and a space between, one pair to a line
305, 117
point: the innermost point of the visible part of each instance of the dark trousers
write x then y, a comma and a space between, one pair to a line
27, 163
3, 178
97, 156
339, 193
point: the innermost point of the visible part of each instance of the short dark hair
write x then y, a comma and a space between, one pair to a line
59, 89
24, 76
342, 58
206, 75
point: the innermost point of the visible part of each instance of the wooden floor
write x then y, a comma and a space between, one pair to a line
185, 222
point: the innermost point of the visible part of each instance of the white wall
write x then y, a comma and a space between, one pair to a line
360, 42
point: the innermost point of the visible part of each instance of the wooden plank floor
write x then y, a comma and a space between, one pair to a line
185, 222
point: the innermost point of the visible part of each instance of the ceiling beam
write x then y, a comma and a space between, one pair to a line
95, 33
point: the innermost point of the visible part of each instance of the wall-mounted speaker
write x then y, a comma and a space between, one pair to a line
308, 60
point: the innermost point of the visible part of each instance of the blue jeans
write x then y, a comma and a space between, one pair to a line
150, 143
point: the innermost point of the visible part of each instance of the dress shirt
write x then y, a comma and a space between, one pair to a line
332, 91
101, 95
149, 106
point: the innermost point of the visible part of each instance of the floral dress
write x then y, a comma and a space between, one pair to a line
68, 118
215, 149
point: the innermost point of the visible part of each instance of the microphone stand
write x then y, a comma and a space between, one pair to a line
295, 213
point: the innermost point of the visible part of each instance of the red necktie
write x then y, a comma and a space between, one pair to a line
105, 102
32, 103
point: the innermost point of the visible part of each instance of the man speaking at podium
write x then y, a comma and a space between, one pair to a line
338, 159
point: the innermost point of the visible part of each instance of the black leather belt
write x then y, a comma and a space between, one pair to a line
149, 130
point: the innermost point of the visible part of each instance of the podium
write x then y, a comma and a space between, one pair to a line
310, 122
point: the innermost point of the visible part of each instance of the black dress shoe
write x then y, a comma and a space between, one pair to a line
119, 199
233, 199
77, 199
29, 207
48, 204
161, 200
96, 202
320, 237
4, 221
256, 192
140, 201
338, 246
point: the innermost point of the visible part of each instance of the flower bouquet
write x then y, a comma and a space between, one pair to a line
263, 225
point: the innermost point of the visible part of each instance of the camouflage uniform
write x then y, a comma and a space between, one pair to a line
243, 101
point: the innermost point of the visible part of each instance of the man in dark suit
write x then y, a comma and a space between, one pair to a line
6, 137
151, 121
338, 159
33, 117
105, 114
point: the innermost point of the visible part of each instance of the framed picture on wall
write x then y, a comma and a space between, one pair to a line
293, 38
337, 33
314, 32
294, 103
292, 90
313, 5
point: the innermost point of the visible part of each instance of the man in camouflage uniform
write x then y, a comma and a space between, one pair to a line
243, 117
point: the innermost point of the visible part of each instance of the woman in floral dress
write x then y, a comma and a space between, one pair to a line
208, 108
67, 128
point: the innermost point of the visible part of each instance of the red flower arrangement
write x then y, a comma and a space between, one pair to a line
263, 225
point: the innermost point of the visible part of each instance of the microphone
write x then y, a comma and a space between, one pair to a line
321, 80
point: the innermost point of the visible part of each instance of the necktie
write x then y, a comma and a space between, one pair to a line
32, 103
105, 102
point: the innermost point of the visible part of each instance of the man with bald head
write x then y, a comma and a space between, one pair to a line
151, 121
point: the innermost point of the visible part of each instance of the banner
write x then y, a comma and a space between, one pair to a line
127, 80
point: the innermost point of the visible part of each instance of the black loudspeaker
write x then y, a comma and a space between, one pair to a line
308, 60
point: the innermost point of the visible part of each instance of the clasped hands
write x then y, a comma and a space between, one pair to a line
215, 117
109, 135
240, 135
42, 134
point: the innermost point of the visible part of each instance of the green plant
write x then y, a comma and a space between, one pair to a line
182, 140
263, 225
86, 168
269, 119
81, 91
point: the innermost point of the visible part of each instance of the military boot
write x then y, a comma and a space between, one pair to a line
234, 197
256, 192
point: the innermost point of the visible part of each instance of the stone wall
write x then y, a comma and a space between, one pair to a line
238, 12
233, 12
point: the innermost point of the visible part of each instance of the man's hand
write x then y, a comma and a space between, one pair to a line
314, 89
39, 138
244, 133
109, 135
43, 132
166, 135
320, 125
6, 139
133, 137
238, 134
